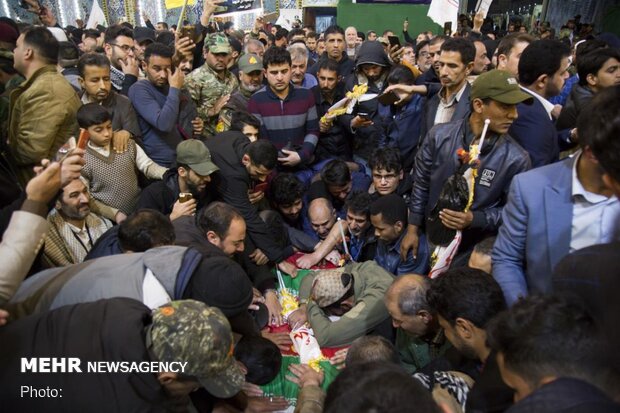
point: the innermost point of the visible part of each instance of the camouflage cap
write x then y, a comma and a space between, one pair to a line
190, 331
217, 43
330, 286
249, 63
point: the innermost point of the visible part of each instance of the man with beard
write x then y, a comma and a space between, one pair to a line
211, 84
543, 68
191, 176
73, 228
465, 300
250, 80
143, 36
94, 70
244, 167
166, 114
372, 66
423, 58
119, 48
334, 140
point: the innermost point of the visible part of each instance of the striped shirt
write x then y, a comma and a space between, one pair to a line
292, 120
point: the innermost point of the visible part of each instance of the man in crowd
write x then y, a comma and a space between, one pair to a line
334, 140
243, 165
423, 59
402, 120
543, 68
211, 84
335, 50
352, 45
579, 210
372, 66
388, 176
143, 36
597, 71
362, 239
481, 62
509, 52
419, 338
127, 330
311, 41
465, 300
287, 114
388, 215
564, 366
94, 70
353, 293
494, 96
73, 228
336, 183
299, 65
42, 112
250, 81
455, 63
166, 114
120, 50
191, 176
220, 230
322, 216
434, 51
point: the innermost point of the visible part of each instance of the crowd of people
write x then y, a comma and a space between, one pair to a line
455, 198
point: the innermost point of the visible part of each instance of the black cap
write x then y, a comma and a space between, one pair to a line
142, 34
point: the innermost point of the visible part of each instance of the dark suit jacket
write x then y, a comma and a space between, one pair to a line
537, 134
430, 111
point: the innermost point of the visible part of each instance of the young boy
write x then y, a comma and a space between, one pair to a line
113, 177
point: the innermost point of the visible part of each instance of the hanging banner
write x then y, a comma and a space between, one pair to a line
444, 11
393, 1
174, 4
231, 6
483, 6
96, 16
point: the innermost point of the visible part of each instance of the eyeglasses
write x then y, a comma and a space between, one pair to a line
125, 47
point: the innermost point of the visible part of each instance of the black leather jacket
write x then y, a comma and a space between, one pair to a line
579, 97
437, 160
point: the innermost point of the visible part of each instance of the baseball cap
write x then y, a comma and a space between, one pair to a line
217, 43
190, 331
330, 286
501, 86
8, 34
196, 155
142, 34
249, 63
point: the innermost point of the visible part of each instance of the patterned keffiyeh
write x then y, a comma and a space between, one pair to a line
450, 385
